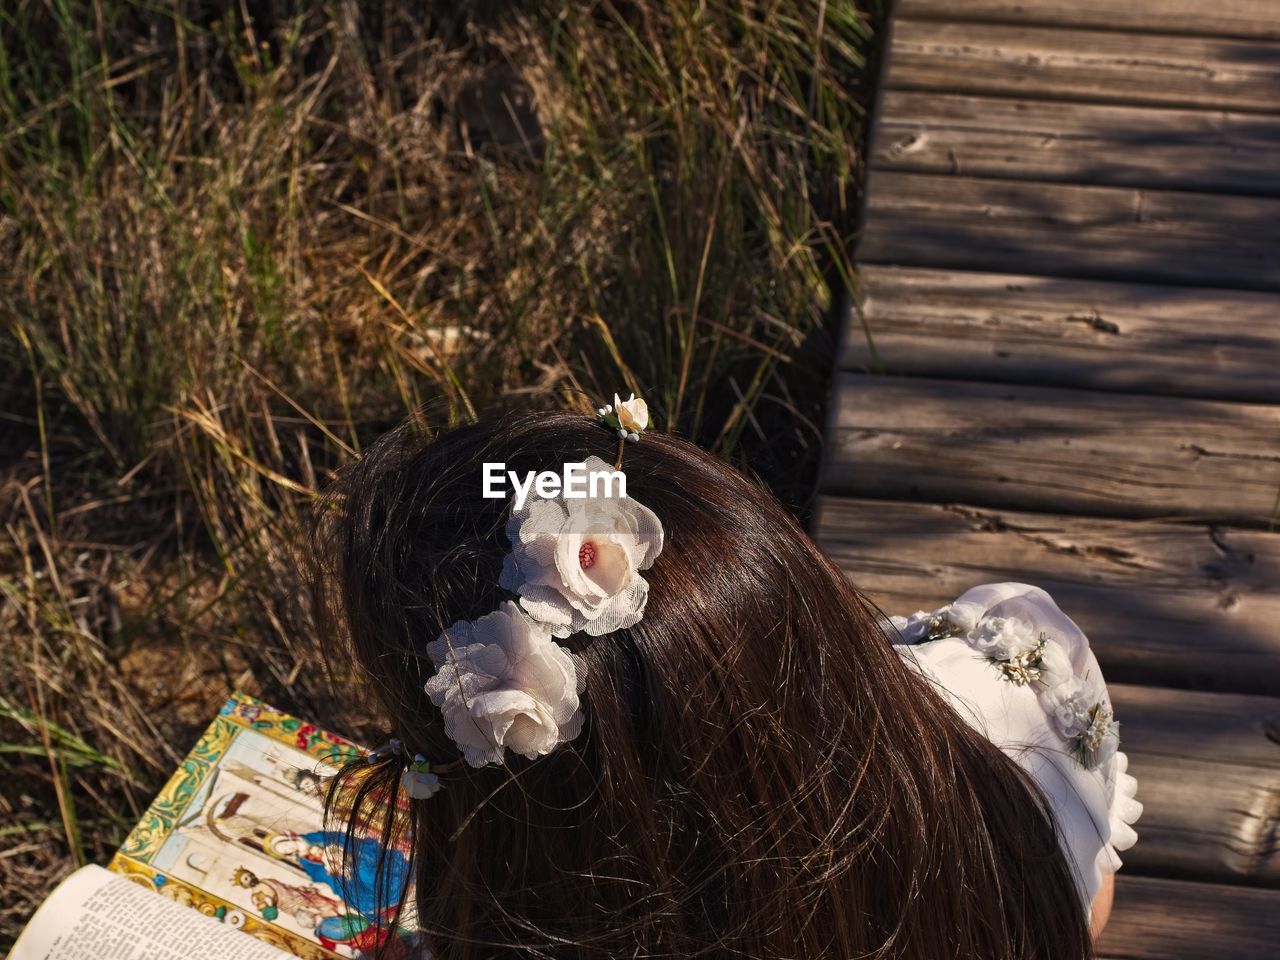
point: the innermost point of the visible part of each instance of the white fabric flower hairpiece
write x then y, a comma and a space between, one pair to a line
502, 681
576, 562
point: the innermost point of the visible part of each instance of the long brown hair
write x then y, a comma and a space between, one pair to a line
759, 774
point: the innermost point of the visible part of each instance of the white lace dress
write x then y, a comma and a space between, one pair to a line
1020, 671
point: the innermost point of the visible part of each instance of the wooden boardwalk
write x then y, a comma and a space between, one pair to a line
1064, 368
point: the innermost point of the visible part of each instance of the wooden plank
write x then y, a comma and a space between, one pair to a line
1175, 604
1157, 919
1093, 65
1046, 448
1208, 770
1116, 233
1043, 330
1259, 19
1212, 151
1212, 806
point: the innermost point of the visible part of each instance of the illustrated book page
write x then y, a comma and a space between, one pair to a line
238, 834
98, 915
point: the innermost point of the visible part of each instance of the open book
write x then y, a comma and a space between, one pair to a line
234, 844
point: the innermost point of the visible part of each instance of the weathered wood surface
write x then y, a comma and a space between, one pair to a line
1208, 769
1102, 66
1117, 233
1156, 919
1176, 604
1202, 150
1068, 197
1225, 18
1044, 330
1046, 448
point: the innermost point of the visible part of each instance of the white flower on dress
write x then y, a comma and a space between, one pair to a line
1101, 738
951, 620
916, 627
576, 562
963, 614
1021, 669
1004, 638
1014, 646
1068, 705
1083, 718
505, 683
1055, 664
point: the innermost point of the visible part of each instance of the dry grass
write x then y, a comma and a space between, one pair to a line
242, 240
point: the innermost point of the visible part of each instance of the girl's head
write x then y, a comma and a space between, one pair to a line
758, 774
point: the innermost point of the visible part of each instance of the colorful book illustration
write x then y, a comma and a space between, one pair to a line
237, 835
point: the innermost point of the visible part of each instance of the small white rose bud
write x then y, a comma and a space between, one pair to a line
632, 413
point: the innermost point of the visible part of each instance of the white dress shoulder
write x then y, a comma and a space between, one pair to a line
1020, 671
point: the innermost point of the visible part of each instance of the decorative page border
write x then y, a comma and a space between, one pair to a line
171, 802
252, 714
240, 712
183, 893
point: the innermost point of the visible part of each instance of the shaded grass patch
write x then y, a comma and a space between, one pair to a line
244, 240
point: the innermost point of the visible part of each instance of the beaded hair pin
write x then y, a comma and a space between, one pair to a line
420, 778
627, 418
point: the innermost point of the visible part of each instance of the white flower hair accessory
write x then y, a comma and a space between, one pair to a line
418, 780
628, 417
576, 562
502, 682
